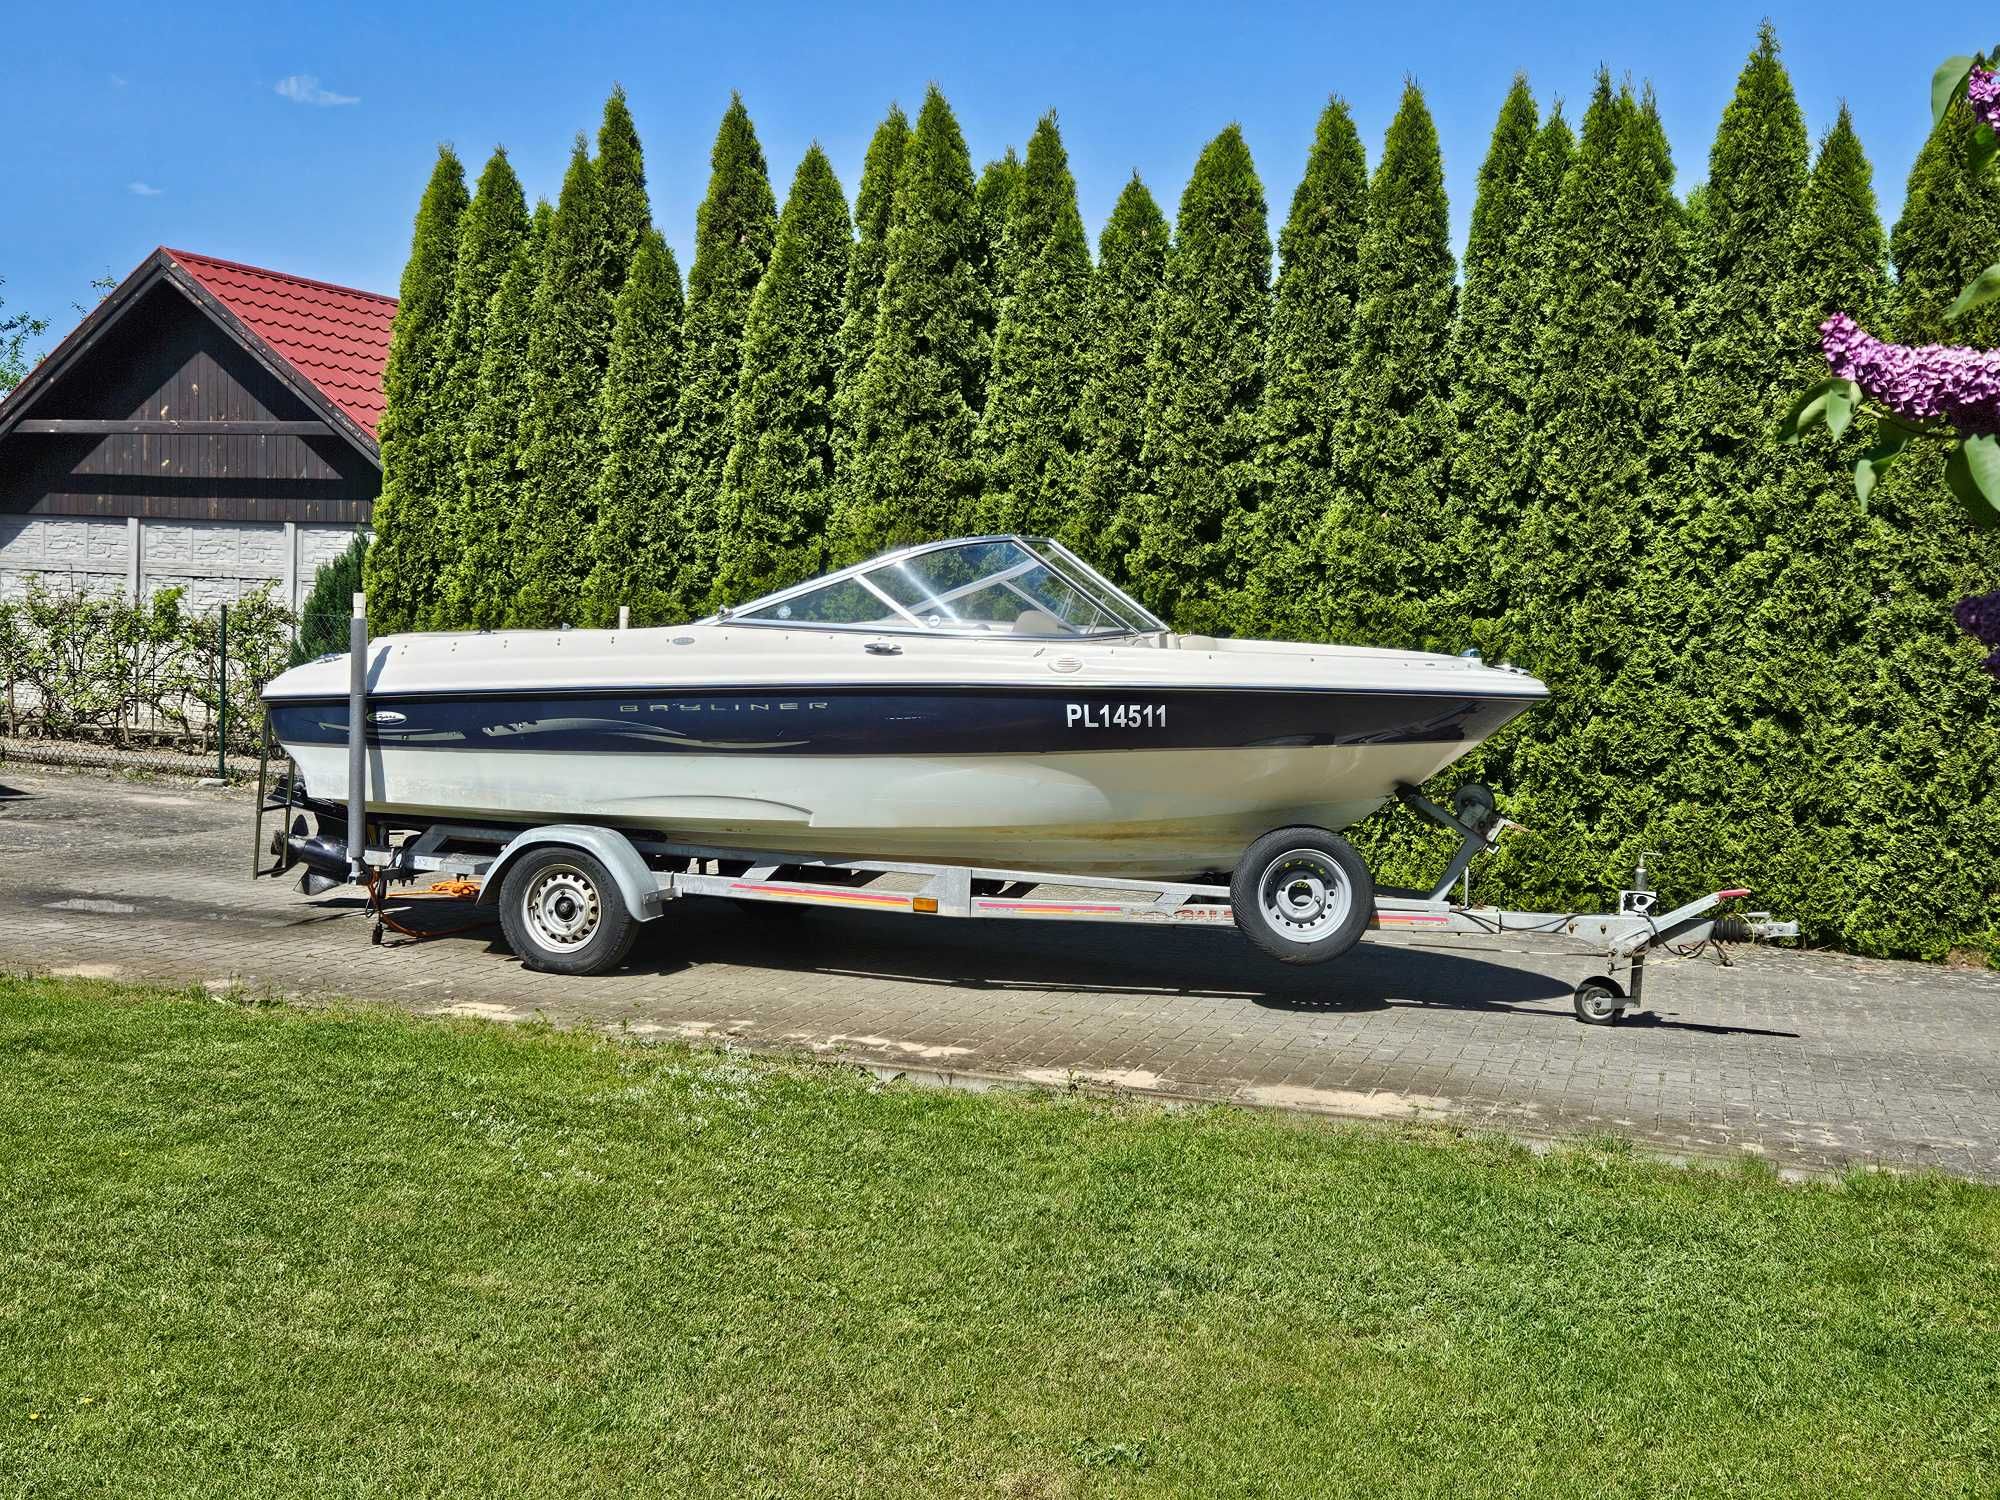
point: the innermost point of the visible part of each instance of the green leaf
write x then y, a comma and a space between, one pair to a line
1810, 407
1985, 146
1962, 473
1947, 83
1984, 288
1982, 457
1872, 465
1839, 411
1869, 468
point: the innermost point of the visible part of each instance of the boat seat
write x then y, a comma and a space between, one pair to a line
1037, 622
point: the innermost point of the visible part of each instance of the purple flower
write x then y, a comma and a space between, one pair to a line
1982, 92
1978, 615
1922, 384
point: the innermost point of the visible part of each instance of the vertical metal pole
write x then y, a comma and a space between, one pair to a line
624, 617
357, 742
222, 694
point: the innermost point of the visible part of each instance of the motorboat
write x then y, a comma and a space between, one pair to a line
990, 701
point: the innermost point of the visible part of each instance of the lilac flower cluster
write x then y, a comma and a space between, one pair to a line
1978, 615
1925, 383
1982, 91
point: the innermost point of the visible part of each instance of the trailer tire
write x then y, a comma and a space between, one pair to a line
1302, 895
1599, 1001
562, 913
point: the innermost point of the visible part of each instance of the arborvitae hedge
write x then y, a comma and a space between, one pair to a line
493, 227
1103, 522
418, 457
1751, 670
734, 230
480, 581
778, 482
569, 346
1031, 431
1205, 388
1384, 539
634, 544
913, 475
1312, 311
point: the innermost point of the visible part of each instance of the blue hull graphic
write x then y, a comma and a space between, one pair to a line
911, 721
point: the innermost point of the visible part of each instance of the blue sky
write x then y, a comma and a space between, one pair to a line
299, 136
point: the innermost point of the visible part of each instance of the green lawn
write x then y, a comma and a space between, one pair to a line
257, 1250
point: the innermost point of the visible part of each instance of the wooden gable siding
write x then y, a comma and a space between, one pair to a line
165, 359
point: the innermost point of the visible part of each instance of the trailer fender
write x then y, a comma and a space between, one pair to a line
638, 885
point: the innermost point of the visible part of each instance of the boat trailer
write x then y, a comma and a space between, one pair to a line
569, 896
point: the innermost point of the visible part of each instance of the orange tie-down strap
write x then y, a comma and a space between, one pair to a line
444, 889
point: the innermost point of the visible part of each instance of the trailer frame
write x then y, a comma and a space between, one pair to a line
651, 873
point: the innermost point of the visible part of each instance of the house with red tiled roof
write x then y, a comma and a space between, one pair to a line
209, 425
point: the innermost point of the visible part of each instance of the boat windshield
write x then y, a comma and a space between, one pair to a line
1007, 585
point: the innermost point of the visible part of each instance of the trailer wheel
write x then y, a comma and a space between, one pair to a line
1302, 895
1599, 1001
562, 913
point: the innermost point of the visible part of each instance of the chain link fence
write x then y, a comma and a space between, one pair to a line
150, 687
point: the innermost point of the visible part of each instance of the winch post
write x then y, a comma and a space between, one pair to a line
357, 742
1475, 831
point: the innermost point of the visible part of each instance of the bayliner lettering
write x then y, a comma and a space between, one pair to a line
722, 708
1115, 715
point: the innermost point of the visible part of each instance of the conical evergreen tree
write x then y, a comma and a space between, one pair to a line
1947, 234
1493, 457
481, 580
417, 426
993, 198
1031, 431
1493, 345
1741, 348
778, 482
630, 546
1928, 804
1311, 314
1385, 542
1697, 738
734, 231
913, 475
1205, 381
493, 227
1124, 298
1801, 688
329, 604
483, 574
621, 185
1606, 362
569, 346
865, 267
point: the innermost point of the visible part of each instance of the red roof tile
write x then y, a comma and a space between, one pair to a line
335, 336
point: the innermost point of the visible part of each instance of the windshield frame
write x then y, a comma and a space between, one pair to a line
1043, 552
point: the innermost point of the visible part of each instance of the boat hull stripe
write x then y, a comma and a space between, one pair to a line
915, 721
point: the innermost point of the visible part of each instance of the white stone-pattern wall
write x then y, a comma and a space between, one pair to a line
91, 553
216, 562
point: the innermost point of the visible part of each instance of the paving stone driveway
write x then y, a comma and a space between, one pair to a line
1811, 1060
